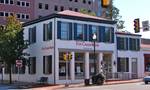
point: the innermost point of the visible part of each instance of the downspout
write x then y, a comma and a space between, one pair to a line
54, 50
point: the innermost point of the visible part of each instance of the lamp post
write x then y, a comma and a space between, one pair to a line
94, 39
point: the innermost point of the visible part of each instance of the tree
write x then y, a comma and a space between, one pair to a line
112, 12
12, 43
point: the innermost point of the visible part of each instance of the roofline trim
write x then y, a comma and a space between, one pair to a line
67, 17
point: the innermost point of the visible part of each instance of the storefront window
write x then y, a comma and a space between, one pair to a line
91, 63
123, 64
62, 67
79, 66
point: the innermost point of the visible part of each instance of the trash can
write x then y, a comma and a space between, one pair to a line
87, 82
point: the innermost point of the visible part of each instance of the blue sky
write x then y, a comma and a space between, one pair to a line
131, 9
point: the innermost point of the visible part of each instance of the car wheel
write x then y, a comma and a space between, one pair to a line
146, 82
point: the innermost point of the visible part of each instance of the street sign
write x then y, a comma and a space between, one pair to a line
18, 63
145, 25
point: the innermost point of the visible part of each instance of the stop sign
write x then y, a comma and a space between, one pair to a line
18, 63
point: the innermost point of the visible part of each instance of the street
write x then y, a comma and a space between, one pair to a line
129, 86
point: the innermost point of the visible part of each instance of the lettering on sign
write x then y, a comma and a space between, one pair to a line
87, 44
47, 48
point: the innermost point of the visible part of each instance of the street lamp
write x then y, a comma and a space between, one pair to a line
94, 39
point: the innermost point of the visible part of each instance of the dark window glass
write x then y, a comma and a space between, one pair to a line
6, 1
32, 35
92, 30
23, 16
40, 5
47, 64
56, 8
27, 4
70, 0
18, 3
76, 0
89, 2
32, 65
23, 3
64, 31
18, 15
80, 30
122, 43
61, 8
84, 1
123, 65
1, 13
47, 32
27, 16
76, 10
6, 14
134, 44
1, 1
46, 6
11, 2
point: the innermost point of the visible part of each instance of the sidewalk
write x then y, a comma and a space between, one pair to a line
82, 84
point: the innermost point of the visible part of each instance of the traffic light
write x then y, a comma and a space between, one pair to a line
137, 25
70, 56
65, 57
105, 3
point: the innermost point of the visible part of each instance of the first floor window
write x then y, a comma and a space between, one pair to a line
32, 65
123, 64
47, 64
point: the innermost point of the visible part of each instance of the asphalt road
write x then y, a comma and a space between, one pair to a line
129, 86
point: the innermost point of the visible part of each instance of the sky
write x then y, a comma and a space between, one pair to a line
132, 9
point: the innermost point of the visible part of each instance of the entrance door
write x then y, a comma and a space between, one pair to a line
107, 65
134, 68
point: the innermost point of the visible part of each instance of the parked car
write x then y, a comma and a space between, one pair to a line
146, 79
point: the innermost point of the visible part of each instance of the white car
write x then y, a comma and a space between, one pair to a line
146, 79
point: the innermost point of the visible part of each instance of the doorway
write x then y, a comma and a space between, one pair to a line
134, 68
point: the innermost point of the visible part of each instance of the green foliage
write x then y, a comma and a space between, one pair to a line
85, 11
113, 13
12, 42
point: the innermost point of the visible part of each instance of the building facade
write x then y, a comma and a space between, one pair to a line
47, 7
145, 46
23, 9
52, 36
26, 10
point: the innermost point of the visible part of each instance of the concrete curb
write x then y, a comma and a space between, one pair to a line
82, 85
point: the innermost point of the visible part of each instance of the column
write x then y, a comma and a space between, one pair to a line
130, 67
72, 66
56, 60
87, 65
114, 64
100, 59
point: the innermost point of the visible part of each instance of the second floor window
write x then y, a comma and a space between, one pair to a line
47, 31
134, 44
32, 35
64, 31
122, 43
80, 32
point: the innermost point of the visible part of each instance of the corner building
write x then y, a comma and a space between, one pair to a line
52, 36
